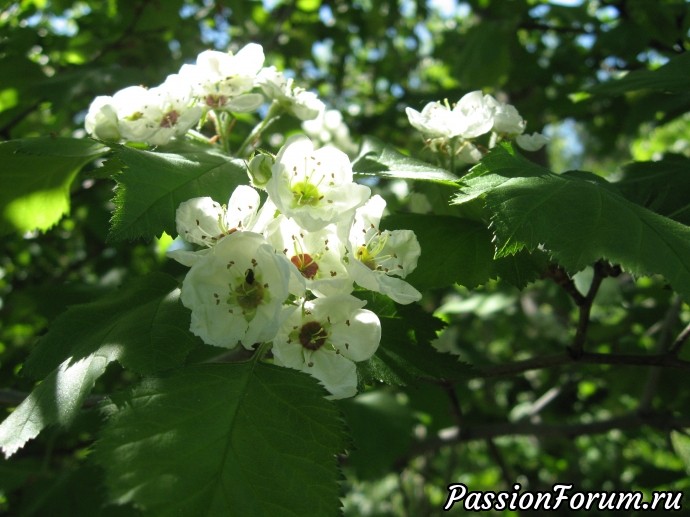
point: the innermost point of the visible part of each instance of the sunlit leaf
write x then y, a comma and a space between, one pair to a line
378, 159
577, 218
144, 325
152, 186
36, 175
225, 439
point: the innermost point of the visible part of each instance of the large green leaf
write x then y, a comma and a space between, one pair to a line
672, 77
578, 218
661, 186
405, 354
56, 400
152, 185
378, 159
453, 250
36, 175
144, 325
225, 439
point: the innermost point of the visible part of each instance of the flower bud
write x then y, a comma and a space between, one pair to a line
259, 169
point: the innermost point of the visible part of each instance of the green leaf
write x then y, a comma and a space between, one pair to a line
152, 186
36, 175
378, 159
681, 444
577, 220
453, 250
143, 326
225, 439
661, 186
405, 354
484, 59
672, 77
56, 400
394, 425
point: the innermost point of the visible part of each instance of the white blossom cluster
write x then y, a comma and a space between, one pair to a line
218, 81
284, 272
474, 115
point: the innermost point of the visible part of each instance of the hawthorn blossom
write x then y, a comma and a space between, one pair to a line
469, 118
301, 103
325, 338
532, 142
318, 255
377, 258
101, 120
201, 220
314, 187
173, 112
221, 80
236, 291
135, 107
506, 119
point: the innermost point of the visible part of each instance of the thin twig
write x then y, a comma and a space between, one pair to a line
678, 343
665, 360
662, 346
629, 422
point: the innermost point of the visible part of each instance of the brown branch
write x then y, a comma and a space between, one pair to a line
675, 347
631, 422
665, 360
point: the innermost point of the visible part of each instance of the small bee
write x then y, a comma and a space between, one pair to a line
249, 276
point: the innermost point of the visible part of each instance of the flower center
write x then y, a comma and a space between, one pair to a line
215, 101
366, 257
306, 193
312, 335
248, 294
170, 119
306, 265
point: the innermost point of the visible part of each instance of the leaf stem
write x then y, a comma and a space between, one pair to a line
273, 114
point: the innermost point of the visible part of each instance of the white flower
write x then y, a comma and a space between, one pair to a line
506, 118
222, 80
434, 121
236, 291
173, 112
314, 187
101, 119
532, 142
318, 255
302, 104
378, 257
203, 221
474, 115
325, 338
136, 112
469, 118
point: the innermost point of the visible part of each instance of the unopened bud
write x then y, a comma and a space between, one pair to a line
260, 169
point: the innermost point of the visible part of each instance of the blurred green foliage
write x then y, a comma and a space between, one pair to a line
555, 61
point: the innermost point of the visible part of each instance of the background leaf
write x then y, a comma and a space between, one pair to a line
36, 175
672, 77
208, 440
152, 186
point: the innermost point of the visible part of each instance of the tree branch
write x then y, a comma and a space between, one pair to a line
678, 343
632, 421
665, 360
